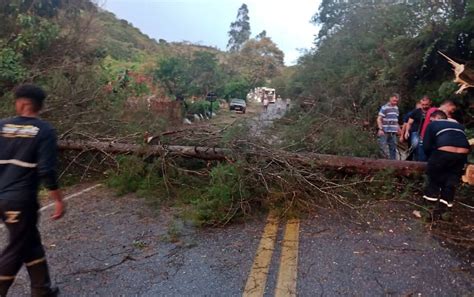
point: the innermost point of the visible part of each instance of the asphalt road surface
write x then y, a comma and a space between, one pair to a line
265, 118
118, 246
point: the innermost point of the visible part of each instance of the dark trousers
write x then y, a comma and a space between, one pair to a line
444, 173
24, 246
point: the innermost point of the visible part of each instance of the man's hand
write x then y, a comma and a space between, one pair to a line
59, 206
380, 133
407, 135
59, 209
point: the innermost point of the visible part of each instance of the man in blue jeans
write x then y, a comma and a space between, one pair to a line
402, 139
413, 128
388, 127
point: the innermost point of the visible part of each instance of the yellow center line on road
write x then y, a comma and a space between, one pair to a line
288, 271
255, 286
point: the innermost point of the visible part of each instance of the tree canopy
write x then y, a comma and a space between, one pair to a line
194, 75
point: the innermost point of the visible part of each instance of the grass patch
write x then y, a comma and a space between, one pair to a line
326, 135
212, 197
222, 199
144, 178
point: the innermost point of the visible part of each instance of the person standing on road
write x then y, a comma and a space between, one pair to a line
28, 155
265, 104
288, 101
388, 128
413, 129
279, 104
446, 145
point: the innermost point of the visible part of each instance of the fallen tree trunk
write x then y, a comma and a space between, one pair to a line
360, 165
205, 153
339, 163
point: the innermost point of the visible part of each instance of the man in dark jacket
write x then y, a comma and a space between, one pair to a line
446, 145
28, 154
413, 128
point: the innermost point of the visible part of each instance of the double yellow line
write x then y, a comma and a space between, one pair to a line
288, 270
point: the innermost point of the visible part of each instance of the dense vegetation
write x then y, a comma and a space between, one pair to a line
366, 50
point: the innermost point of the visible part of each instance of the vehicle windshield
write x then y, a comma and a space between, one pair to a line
238, 101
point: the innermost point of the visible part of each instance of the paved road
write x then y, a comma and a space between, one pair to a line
266, 118
118, 246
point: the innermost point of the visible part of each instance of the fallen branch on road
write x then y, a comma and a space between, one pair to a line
102, 269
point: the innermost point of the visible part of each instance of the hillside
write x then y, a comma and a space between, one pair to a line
124, 42
121, 39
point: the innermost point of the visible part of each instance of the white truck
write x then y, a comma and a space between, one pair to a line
265, 93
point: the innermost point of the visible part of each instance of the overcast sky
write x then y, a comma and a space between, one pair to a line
206, 22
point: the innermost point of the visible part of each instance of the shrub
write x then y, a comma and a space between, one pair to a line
221, 200
11, 68
202, 107
129, 176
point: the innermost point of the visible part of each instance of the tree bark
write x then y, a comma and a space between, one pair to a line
338, 163
360, 165
205, 153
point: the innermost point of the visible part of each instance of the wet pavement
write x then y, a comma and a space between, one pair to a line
390, 257
118, 246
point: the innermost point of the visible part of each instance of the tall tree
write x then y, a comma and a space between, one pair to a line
239, 31
173, 74
258, 61
189, 75
205, 72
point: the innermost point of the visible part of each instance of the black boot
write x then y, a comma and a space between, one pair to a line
4, 286
40, 281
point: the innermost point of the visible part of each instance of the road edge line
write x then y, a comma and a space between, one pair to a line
257, 279
68, 197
